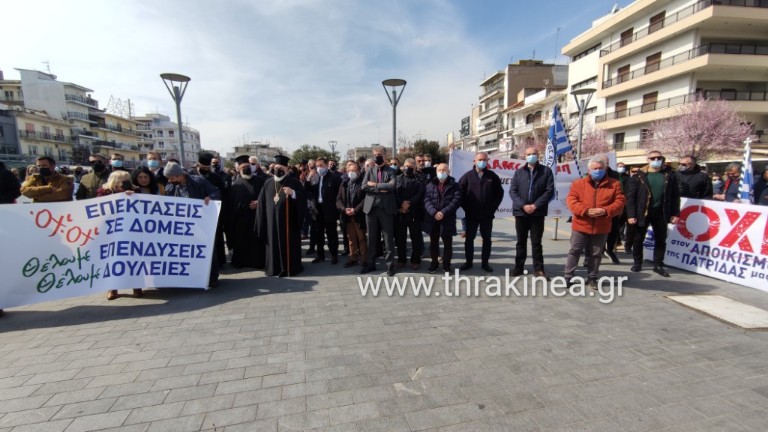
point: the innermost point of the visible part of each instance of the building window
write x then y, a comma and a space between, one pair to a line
656, 22
32, 150
618, 141
623, 74
652, 62
584, 83
586, 52
645, 135
8, 95
627, 36
170, 134
649, 101
620, 109
159, 134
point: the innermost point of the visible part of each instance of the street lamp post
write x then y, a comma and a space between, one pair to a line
332, 145
177, 86
394, 98
579, 96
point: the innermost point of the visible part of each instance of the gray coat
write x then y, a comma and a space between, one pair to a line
383, 194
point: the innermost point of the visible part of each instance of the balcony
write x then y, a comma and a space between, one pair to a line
492, 90
679, 15
44, 136
115, 145
116, 128
680, 100
489, 111
630, 145
79, 116
711, 48
93, 103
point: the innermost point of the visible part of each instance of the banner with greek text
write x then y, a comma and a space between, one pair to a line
462, 161
53, 251
726, 241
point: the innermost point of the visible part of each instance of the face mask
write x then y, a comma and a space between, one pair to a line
427, 164
352, 175
409, 171
333, 168
716, 182
204, 169
216, 167
245, 170
153, 163
656, 164
117, 163
379, 160
481, 164
621, 170
393, 166
99, 167
532, 159
597, 175
442, 176
322, 171
280, 174
682, 168
45, 172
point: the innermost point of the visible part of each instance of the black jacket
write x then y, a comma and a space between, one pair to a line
10, 188
447, 203
535, 186
351, 195
694, 184
639, 195
330, 191
481, 196
410, 189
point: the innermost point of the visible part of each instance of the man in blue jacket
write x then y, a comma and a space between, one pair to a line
531, 188
481, 193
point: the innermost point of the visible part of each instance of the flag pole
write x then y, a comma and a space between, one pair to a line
287, 236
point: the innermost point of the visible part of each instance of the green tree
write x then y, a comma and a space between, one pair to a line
423, 146
306, 152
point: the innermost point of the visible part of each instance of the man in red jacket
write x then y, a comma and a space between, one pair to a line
593, 200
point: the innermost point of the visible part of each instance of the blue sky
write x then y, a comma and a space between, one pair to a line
292, 72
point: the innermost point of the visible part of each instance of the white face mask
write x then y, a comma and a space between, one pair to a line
427, 164
352, 175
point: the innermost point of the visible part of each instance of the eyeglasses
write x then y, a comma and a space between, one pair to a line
653, 158
685, 165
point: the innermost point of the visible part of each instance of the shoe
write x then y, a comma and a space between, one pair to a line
586, 263
400, 265
349, 264
464, 234
592, 283
310, 251
283, 274
636, 268
391, 270
368, 269
318, 259
111, 294
517, 272
487, 267
659, 270
433, 267
213, 284
447, 269
334, 259
344, 253
613, 257
138, 293
304, 237
540, 273
465, 266
415, 266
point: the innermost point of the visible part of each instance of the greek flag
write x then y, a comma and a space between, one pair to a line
557, 133
746, 173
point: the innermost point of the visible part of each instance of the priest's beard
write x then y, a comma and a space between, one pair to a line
246, 176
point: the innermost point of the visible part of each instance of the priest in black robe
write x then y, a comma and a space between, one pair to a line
281, 211
248, 249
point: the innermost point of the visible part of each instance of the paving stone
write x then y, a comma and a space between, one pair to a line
353, 413
204, 405
98, 421
281, 408
178, 424
139, 400
80, 409
29, 416
49, 426
218, 419
154, 413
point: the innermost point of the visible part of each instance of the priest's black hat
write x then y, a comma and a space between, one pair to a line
282, 160
205, 158
242, 159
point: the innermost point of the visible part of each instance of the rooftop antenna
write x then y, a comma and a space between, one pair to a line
534, 55
557, 37
47, 66
615, 8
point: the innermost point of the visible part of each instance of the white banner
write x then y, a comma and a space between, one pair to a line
726, 241
462, 161
53, 251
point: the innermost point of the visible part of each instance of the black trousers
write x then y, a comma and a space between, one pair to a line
434, 245
326, 228
486, 227
613, 236
654, 219
406, 223
378, 219
533, 226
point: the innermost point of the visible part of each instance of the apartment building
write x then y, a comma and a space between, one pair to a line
655, 55
505, 89
528, 121
115, 134
157, 132
264, 151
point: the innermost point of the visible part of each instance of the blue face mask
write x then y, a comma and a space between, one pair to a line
532, 159
481, 164
322, 171
393, 166
656, 164
153, 163
442, 176
621, 170
117, 163
597, 175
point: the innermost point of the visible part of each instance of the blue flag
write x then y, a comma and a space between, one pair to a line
557, 133
746, 173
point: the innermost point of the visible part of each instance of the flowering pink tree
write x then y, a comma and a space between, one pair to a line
593, 141
704, 128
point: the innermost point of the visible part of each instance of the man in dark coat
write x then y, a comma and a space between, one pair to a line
10, 188
181, 184
282, 206
653, 199
694, 183
410, 215
350, 204
204, 161
481, 195
442, 199
248, 250
323, 189
531, 188
380, 206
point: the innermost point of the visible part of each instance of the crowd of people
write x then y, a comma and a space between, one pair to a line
377, 205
